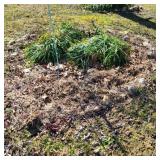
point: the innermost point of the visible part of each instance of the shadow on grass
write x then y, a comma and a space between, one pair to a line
142, 21
99, 113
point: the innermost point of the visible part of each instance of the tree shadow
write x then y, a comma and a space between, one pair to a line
99, 113
142, 21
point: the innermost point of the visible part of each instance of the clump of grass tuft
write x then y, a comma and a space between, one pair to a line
69, 34
48, 46
44, 51
107, 50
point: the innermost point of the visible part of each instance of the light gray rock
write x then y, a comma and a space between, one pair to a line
81, 128
95, 143
59, 67
125, 38
27, 70
11, 42
97, 151
132, 90
151, 54
142, 82
65, 74
106, 102
86, 137
14, 54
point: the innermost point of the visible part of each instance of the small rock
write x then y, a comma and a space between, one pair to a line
152, 54
118, 68
59, 67
63, 138
14, 54
86, 137
125, 38
97, 151
65, 74
120, 124
106, 102
11, 42
128, 133
79, 73
105, 99
50, 66
46, 98
146, 43
27, 70
95, 144
141, 82
80, 128
132, 90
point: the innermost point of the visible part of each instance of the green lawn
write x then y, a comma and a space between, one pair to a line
23, 19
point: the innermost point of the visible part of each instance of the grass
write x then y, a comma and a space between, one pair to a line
52, 47
22, 19
107, 50
68, 35
43, 53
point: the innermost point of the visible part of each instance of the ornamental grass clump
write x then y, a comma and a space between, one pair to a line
106, 50
69, 34
44, 51
54, 45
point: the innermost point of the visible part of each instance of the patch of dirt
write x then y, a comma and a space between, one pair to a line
39, 102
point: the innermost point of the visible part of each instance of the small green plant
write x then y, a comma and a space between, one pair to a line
107, 50
108, 141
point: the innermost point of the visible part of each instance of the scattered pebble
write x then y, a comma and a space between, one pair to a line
14, 54
86, 137
141, 82
11, 42
81, 128
65, 74
95, 143
106, 102
97, 151
132, 90
128, 133
59, 67
152, 54
50, 66
125, 38
27, 70
46, 98
146, 43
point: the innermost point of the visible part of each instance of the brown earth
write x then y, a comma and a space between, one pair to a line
111, 110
